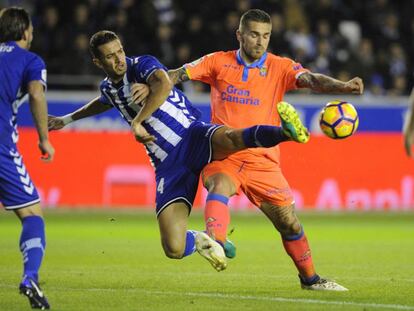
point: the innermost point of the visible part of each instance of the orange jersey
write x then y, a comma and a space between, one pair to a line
244, 96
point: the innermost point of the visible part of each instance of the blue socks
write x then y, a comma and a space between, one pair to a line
32, 245
190, 246
263, 136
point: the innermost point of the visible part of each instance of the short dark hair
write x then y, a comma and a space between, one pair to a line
100, 38
14, 21
254, 15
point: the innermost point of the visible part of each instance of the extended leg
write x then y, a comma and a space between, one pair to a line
227, 140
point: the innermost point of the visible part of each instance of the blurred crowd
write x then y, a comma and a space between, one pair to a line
372, 39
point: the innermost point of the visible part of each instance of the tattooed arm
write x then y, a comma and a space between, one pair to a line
323, 84
178, 75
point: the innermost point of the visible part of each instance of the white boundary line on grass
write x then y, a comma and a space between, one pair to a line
293, 300
241, 297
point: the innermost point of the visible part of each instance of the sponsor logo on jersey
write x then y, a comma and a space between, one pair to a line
6, 48
297, 66
231, 66
239, 96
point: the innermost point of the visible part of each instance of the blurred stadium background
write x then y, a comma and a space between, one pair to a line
372, 39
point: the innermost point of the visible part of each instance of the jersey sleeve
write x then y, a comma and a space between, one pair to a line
35, 71
293, 71
103, 99
202, 69
145, 66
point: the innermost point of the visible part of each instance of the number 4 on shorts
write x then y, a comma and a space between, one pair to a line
160, 187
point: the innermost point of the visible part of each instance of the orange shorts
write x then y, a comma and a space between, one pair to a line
261, 180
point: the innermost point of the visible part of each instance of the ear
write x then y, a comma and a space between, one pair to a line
25, 36
97, 62
238, 35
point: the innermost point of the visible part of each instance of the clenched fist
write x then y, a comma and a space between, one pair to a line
354, 86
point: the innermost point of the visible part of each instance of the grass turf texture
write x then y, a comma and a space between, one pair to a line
113, 260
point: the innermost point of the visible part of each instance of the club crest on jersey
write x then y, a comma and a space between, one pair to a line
263, 71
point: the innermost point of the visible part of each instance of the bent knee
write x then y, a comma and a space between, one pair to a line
32, 210
221, 184
291, 228
173, 250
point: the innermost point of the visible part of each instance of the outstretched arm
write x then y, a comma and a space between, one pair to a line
90, 109
38, 107
178, 75
323, 84
409, 127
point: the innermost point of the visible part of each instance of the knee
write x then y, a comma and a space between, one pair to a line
291, 228
289, 225
33, 210
220, 184
173, 250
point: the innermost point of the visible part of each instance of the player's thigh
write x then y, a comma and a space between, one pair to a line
17, 191
269, 190
266, 183
172, 222
221, 177
226, 141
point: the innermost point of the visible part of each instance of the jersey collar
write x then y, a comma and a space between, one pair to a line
257, 64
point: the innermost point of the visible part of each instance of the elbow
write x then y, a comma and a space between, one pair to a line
168, 86
36, 96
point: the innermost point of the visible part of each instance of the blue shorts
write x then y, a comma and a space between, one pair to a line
177, 176
16, 188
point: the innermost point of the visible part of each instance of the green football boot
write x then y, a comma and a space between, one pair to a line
291, 124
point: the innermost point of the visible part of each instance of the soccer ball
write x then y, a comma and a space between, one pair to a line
338, 119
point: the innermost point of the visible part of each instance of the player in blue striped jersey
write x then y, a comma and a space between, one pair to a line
178, 144
21, 73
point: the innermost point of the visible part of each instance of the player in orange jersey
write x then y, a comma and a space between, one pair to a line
409, 127
246, 85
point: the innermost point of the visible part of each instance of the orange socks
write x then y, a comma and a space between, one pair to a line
298, 249
217, 216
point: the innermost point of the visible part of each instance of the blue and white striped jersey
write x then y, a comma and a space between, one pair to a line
17, 68
169, 123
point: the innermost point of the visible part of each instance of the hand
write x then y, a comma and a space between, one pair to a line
141, 134
139, 92
408, 142
354, 86
55, 123
47, 151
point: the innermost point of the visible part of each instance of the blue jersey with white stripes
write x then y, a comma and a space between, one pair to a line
17, 68
169, 123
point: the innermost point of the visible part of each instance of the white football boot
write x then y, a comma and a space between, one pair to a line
324, 284
211, 250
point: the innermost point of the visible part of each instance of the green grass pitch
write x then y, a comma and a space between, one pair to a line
113, 260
